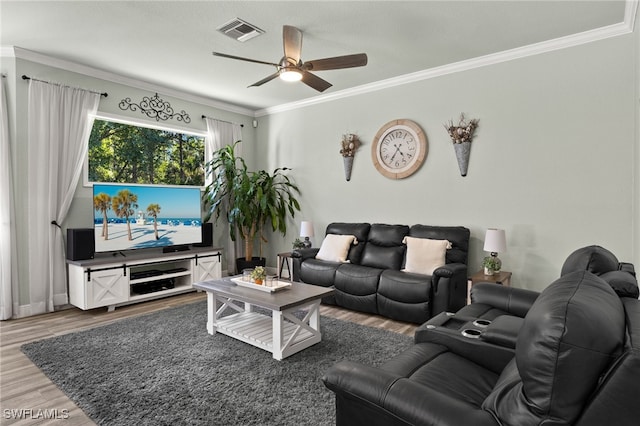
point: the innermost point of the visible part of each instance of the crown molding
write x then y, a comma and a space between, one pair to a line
577, 39
622, 28
28, 55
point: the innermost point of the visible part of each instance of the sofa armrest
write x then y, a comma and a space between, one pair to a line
300, 255
394, 397
451, 269
627, 267
305, 253
488, 354
449, 284
515, 301
366, 382
503, 331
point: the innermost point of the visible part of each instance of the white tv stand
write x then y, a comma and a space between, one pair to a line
116, 280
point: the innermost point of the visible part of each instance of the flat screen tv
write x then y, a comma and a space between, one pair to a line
131, 216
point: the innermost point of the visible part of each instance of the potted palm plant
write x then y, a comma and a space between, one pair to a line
248, 200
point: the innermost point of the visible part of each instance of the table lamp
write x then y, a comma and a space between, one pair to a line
495, 242
306, 231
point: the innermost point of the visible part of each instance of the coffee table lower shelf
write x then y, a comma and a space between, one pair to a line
257, 329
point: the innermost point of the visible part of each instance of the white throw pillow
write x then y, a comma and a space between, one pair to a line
424, 255
335, 248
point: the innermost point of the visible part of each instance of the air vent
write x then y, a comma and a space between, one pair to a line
240, 30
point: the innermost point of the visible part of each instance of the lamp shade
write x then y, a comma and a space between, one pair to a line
306, 229
495, 241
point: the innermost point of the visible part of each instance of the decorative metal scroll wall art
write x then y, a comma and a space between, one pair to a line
154, 107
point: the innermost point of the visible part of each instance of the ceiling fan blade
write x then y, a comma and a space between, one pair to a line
292, 40
338, 62
315, 82
224, 55
265, 80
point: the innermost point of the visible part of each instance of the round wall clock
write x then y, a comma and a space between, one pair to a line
399, 149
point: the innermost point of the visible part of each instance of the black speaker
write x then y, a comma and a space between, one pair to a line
207, 235
80, 243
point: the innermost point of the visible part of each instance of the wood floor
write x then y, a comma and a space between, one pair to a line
24, 387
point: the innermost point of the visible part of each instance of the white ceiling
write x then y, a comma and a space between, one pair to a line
169, 43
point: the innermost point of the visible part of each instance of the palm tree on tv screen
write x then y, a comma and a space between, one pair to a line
153, 210
124, 204
102, 203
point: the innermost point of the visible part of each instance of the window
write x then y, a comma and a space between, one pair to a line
136, 153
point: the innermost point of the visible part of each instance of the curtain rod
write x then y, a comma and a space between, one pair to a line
204, 116
26, 77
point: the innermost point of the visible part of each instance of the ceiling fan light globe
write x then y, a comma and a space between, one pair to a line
290, 74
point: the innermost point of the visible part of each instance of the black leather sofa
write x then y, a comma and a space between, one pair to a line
575, 361
372, 279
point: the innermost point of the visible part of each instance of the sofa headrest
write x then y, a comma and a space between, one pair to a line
387, 235
571, 334
594, 259
458, 236
384, 248
359, 230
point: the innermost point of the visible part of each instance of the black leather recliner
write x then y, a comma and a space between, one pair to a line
576, 361
491, 301
504, 308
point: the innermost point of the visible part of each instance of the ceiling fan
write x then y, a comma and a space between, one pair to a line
291, 67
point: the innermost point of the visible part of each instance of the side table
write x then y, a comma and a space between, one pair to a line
283, 260
500, 278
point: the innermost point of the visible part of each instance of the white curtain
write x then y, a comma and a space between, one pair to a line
59, 128
219, 134
8, 270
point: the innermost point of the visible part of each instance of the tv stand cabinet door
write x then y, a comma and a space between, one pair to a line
108, 287
206, 268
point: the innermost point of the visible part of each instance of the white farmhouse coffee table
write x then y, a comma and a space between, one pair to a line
283, 334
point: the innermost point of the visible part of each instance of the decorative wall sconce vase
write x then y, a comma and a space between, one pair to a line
350, 144
461, 136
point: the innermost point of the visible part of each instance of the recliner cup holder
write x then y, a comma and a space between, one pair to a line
481, 322
471, 333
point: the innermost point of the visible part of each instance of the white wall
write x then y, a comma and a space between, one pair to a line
553, 161
636, 186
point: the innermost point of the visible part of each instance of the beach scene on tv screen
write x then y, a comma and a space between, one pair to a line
130, 217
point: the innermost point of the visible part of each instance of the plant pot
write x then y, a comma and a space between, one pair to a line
242, 263
258, 281
488, 271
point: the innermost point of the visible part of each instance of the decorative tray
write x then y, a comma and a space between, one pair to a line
278, 285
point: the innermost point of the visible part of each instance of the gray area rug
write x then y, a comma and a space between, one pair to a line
164, 368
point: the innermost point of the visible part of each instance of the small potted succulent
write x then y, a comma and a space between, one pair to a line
258, 275
297, 244
490, 265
